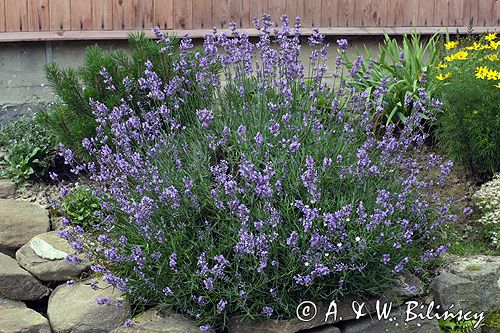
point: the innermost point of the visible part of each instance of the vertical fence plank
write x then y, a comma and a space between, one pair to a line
456, 13
118, 15
203, 13
294, 8
164, 14
102, 14
276, 8
346, 13
409, 13
60, 15
370, 13
425, 13
440, 15
220, 14
2, 15
183, 14
329, 13
496, 13
133, 14
81, 15
312, 16
257, 8
471, 9
485, 13
239, 12
16, 15
397, 18
38, 15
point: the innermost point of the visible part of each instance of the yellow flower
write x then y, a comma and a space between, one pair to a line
461, 55
486, 47
450, 58
475, 46
482, 72
491, 37
492, 75
441, 66
494, 45
442, 77
493, 57
498, 85
475, 112
451, 45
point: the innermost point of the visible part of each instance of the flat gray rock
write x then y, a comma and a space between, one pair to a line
73, 309
15, 317
19, 222
18, 284
45, 257
7, 188
155, 321
470, 283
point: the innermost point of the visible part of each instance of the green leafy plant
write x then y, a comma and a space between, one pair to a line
468, 129
30, 150
80, 207
455, 326
407, 63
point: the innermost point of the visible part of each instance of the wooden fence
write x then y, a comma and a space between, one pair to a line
96, 19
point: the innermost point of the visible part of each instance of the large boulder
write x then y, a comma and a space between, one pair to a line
44, 257
15, 317
73, 308
470, 283
156, 321
19, 222
18, 284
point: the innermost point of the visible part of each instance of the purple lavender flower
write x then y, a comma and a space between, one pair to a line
206, 117
173, 262
342, 43
104, 301
221, 305
267, 310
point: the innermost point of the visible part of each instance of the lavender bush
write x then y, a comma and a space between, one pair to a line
277, 193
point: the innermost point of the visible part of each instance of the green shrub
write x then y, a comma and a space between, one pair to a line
265, 200
468, 129
71, 119
30, 150
406, 63
80, 208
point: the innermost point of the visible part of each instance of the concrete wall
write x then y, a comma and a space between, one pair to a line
23, 87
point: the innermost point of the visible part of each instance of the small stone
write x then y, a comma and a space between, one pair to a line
18, 284
156, 321
15, 317
7, 188
19, 222
73, 308
45, 257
